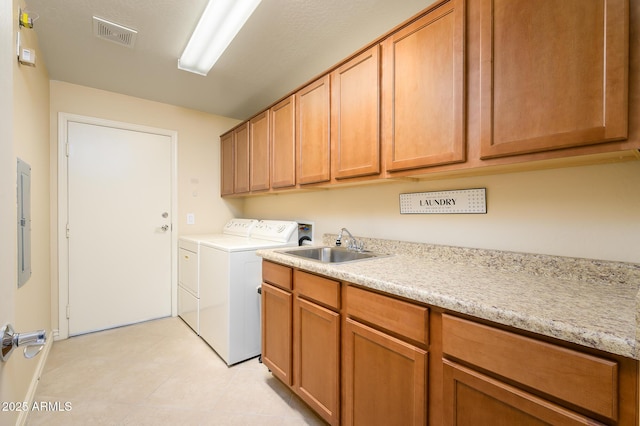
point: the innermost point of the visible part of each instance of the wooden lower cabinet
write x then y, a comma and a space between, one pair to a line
316, 343
495, 376
385, 378
276, 338
317, 358
361, 357
473, 399
301, 335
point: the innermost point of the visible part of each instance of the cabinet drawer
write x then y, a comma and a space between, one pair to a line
277, 275
319, 289
581, 379
403, 318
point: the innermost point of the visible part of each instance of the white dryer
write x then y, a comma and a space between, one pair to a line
229, 275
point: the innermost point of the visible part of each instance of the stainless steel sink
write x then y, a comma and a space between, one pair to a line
332, 254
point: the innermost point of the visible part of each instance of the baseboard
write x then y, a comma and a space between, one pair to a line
31, 392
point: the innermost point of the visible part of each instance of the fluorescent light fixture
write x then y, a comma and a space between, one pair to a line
218, 25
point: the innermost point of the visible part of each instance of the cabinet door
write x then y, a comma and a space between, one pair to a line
259, 152
277, 311
312, 132
385, 379
423, 91
283, 143
355, 116
241, 156
553, 74
316, 358
226, 164
473, 399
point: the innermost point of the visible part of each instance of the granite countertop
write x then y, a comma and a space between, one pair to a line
589, 302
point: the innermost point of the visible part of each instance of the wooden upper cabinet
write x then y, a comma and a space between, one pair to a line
553, 74
312, 132
355, 116
259, 152
423, 91
241, 156
226, 164
283, 143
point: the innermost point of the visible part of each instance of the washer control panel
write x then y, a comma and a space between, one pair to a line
276, 230
240, 227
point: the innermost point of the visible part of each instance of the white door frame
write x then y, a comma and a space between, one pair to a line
63, 203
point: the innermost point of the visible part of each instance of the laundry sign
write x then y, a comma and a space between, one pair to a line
461, 201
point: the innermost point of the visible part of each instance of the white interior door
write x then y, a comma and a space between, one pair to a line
119, 226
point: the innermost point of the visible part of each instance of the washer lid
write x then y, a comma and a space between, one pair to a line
282, 231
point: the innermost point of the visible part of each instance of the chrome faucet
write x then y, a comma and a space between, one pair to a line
353, 243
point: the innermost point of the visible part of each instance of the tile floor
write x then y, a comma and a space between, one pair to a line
159, 373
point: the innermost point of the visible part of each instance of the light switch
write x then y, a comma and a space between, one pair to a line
191, 219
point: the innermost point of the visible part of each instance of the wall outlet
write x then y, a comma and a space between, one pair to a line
191, 219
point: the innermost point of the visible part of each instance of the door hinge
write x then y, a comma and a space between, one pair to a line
67, 149
67, 230
68, 311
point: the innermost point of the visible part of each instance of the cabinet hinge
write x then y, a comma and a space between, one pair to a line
68, 311
67, 149
67, 230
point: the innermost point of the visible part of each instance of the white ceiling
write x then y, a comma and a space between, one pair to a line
284, 44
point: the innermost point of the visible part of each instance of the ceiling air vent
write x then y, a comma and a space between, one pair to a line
114, 32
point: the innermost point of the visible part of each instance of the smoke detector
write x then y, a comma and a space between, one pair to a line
113, 32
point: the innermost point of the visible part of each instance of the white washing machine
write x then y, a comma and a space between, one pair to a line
229, 275
189, 267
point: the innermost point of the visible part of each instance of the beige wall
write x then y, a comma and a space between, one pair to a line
588, 211
30, 109
31, 144
8, 381
198, 155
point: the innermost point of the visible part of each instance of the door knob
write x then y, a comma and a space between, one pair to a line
32, 342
